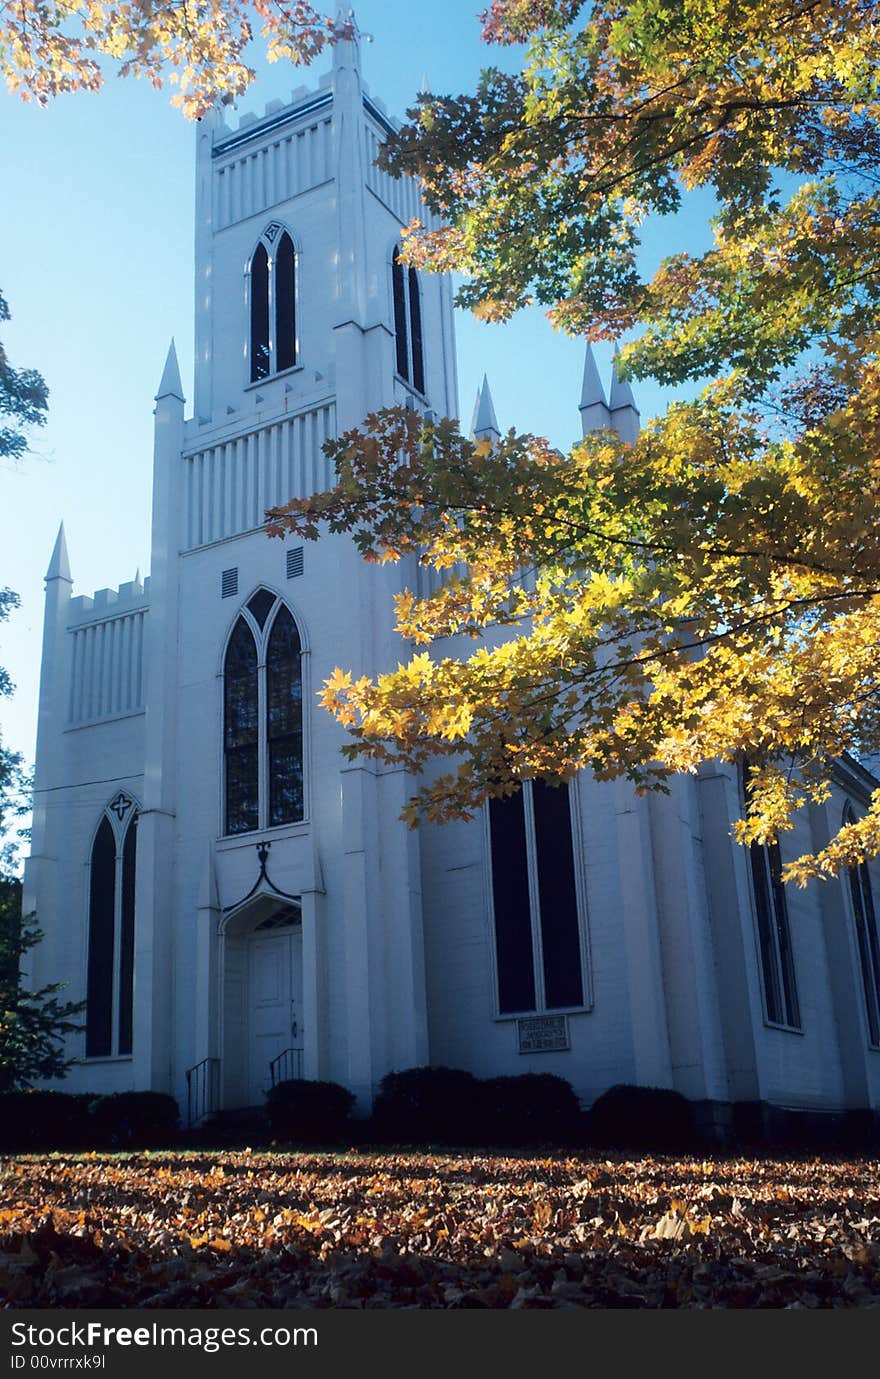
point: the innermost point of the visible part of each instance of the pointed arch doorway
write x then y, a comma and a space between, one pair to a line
262, 999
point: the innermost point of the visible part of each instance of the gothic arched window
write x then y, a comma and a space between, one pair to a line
539, 943
110, 971
407, 322
866, 938
285, 304
272, 304
259, 314
262, 718
284, 721
241, 716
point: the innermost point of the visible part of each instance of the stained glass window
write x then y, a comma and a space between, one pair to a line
241, 730
126, 939
259, 314
399, 293
415, 332
263, 718
110, 962
284, 721
285, 304
409, 348
261, 605
102, 909
272, 304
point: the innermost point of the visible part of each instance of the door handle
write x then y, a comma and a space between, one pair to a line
293, 1029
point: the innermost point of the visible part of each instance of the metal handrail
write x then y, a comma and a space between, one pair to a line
287, 1065
202, 1088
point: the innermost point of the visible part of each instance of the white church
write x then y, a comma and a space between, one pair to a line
239, 904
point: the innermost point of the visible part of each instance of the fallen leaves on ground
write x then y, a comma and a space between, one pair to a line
408, 1229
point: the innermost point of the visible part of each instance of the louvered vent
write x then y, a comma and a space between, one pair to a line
229, 583
294, 562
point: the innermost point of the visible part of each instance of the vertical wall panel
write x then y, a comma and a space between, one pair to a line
246, 185
109, 696
106, 677
139, 659
228, 487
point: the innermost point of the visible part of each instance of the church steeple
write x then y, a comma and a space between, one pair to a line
622, 406
59, 565
170, 384
593, 407
484, 426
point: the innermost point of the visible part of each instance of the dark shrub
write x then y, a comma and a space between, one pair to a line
530, 1108
134, 1120
43, 1120
308, 1111
427, 1104
640, 1118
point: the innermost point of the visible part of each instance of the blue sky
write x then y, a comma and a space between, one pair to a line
96, 248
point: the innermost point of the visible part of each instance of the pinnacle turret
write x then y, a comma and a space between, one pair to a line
59, 565
171, 386
484, 426
347, 53
593, 407
622, 407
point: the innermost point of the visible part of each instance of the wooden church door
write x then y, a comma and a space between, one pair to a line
275, 1008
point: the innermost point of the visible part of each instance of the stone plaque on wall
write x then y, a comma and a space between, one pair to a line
542, 1033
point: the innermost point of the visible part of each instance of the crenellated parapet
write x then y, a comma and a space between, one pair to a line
109, 603
271, 159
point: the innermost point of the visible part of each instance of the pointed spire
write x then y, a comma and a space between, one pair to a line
59, 565
484, 426
593, 407
622, 406
347, 53
137, 580
170, 385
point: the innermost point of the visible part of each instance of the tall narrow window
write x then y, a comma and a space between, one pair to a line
284, 721
415, 332
241, 730
867, 941
263, 726
407, 323
538, 934
110, 964
399, 292
126, 939
272, 304
774, 932
259, 314
102, 945
514, 952
557, 895
285, 305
